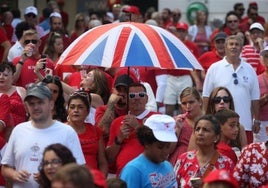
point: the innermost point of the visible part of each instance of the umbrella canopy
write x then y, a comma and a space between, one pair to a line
129, 44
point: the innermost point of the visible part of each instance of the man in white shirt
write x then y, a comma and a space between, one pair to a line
17, 48
241, 80
27, 142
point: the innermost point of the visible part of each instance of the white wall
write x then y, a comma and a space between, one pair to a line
217, 8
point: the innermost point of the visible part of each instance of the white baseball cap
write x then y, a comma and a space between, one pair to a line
31, 9
264, 50
163, 127
55, 14
256, 25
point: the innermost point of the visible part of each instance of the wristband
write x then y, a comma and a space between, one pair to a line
21, 63
117, 142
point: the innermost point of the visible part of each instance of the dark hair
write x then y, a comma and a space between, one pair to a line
224, 115
16, 13
77, 175
21, 27
63, 153
226, 17
145, 135
214, 121
210, 107
8, 66
137, 84
116, 183
101, 85
237, 5
60, 110
49, 47
46, 12
84, 96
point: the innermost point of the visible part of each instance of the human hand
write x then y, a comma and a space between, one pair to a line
39, 64
36, 177
21, 176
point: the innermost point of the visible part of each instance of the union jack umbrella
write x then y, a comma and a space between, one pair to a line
129, 44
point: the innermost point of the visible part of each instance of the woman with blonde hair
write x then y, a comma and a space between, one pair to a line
80, 26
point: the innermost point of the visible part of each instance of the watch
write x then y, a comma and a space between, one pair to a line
21, 63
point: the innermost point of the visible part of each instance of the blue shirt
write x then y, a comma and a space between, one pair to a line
143, 173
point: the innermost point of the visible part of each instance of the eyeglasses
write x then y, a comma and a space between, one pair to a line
235, 78
241, 9
232, 21
33, 41
80, 20
225, 99
136, 95
53, 162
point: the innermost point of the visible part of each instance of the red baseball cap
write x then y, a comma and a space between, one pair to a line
132, 9
221, 175
182, 25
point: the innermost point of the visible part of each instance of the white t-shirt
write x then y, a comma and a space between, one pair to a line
247, 89
26, 145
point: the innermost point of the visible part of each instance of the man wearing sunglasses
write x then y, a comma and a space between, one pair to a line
30, 57
241, 80
123, 145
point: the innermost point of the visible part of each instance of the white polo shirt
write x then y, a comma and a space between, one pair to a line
247, 89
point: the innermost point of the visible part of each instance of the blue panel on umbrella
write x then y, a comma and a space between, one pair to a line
95, 57
178, 56
138, 54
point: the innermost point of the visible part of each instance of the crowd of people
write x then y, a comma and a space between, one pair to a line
87, 126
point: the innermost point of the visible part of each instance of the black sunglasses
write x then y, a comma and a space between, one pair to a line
225, 99
235, 78
135, 95
50, 78
33, 41
31, 15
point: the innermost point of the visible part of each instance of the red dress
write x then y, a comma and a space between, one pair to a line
89, 141
17, 109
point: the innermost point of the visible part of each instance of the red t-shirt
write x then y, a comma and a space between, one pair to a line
130, 148
208, 59
27, 73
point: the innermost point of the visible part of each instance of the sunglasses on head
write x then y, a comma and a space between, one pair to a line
83, 94
136, 95
225, 99
33, 41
